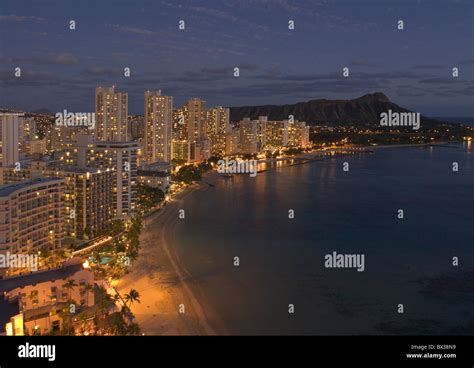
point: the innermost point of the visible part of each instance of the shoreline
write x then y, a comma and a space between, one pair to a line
162, 279
164, 283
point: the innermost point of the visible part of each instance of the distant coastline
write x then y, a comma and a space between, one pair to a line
159, 266
457, 119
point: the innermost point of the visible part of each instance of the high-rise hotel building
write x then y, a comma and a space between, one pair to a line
298, 134
264, 134
9, 138
249, 136
111, 111
158, 127
194, 111
118, 157
218, 124
88, 199
179, 143
275, 134
32, 215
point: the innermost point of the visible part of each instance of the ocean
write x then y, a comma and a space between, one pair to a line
408, 261
461, 120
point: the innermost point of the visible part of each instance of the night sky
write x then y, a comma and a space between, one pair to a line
61, 68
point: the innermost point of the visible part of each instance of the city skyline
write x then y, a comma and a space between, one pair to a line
259, 167
199, 60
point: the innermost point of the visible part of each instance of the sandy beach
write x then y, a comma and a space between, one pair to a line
162, 279
164, 283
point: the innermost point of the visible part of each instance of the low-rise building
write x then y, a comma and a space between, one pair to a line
156, 175
34, 303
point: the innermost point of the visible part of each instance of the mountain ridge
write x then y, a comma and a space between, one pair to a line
363, 110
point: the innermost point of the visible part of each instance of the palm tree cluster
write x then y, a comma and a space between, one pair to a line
133, 238
116, 323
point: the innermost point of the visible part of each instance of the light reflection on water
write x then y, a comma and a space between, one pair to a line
350, 212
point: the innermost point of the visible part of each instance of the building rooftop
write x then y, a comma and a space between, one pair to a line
77, 169
6, 113
8, 310
6, 190
159, 166
115, 144
9, 283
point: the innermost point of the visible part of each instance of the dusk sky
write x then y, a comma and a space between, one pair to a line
413, 67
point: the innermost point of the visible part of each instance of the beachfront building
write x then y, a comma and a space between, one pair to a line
156, 175
111, 110
194, 112
232, 141
264, 134
180, 150
32, 304
249, 136
275, 134
158, 127
218, 124
118, 157
89, 199
298, 134
88, 194
31, 215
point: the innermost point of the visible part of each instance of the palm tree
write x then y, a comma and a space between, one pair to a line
131, 297
133, 329
115, 298
69, 286
67, 322
88, 288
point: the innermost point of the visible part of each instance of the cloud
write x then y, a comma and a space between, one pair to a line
429, 66
63, 59
104, 71
362, 63
21, 18
133, 30
466, 62
51, 59
229, 70
212, 12
28, 78
439, 80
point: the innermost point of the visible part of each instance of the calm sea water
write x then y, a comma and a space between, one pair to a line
462, 120
407, 261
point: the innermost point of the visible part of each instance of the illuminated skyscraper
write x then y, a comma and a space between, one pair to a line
298, 134
89, 199
217, 126
9, 138
111, 111
195, 121
119, 157
158, 123
275, 134
249, 136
